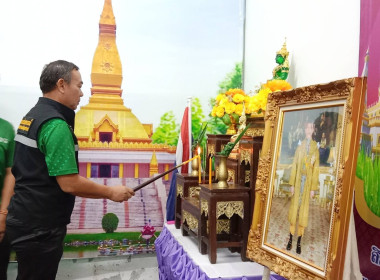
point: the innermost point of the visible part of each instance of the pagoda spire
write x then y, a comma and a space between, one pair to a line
107, 17
106, 72
105, 112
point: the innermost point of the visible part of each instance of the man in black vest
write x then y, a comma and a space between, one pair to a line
46, 172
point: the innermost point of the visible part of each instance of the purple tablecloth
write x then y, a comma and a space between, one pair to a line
174, 263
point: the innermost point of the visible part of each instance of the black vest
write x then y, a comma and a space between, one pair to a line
38, 199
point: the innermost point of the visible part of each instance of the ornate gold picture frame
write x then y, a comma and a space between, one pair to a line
305, 180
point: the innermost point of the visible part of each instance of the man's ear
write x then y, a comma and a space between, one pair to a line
61, 85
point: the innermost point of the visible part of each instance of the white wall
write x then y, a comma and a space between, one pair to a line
322, 38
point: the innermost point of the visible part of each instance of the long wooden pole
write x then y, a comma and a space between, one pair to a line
161, 175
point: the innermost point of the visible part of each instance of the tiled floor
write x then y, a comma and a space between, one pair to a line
138, 267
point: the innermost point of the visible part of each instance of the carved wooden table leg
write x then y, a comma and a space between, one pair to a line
202, 246
178, 210
245, 229
212, 231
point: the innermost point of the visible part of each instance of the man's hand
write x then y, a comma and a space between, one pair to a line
121, 193
2, 226
311, 194
83, 187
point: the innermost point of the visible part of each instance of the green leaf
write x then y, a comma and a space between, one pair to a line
226, 119
236, 117
199, 139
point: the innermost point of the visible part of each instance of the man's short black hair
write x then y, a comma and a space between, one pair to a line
54, 71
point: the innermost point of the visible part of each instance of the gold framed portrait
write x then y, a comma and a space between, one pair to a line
305, 180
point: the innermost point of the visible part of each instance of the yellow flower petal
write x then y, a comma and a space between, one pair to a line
219, 111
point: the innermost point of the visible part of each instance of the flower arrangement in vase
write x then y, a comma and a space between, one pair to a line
229, 106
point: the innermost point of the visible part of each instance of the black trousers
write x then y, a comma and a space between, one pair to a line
38, 252
5, 251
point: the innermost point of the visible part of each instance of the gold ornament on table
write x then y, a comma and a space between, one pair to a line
194, 167
222, 172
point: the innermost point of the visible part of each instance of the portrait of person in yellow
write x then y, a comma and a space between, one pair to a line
304, 181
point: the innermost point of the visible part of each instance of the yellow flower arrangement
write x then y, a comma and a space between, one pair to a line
230, 105
277, 85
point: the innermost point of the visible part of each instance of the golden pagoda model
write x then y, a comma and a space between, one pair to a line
112, 141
